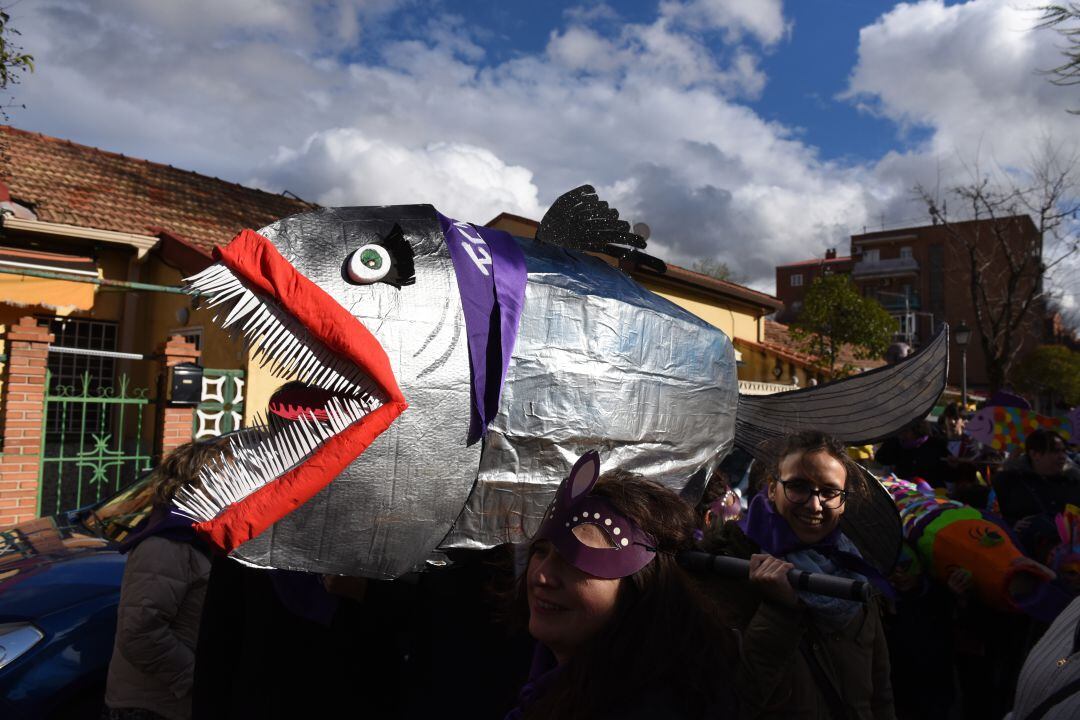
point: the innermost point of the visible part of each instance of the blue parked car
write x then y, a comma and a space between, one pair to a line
59, 587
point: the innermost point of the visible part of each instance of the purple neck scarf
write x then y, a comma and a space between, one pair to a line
915, 443
773, 535
164, 523
491, 275
542, 674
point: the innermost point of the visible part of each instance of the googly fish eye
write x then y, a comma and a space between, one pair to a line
369, 264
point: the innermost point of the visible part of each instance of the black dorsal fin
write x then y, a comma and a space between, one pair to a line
580, 220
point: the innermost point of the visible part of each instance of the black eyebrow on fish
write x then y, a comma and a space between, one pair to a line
404, 271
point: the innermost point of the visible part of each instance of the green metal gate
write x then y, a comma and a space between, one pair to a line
92, 442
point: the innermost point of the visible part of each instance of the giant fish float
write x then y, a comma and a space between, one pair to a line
444, 377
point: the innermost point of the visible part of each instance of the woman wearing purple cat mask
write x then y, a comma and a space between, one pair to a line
804, 655
621, 630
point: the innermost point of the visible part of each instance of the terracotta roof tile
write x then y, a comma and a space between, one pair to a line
84, 186
778, 337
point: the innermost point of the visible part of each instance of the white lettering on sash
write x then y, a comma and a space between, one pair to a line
476, 247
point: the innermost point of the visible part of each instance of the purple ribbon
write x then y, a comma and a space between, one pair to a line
491, 275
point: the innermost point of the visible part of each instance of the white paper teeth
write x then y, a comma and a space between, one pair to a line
260, 455
263, 453
276, 338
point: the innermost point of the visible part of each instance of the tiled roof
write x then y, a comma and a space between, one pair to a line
84, 186
778, 338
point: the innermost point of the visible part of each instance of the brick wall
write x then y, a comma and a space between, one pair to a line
22, 407
174, 424
21, 419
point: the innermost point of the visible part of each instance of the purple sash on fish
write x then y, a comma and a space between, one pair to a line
491, 275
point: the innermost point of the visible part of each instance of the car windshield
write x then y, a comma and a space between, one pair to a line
115, 518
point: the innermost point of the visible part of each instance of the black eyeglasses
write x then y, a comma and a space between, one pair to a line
800, 492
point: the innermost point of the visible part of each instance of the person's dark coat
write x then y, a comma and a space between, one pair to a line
1021, 492
927, 461
783, 649
157, 626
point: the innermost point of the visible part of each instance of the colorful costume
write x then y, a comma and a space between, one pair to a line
1004, 428
949, 535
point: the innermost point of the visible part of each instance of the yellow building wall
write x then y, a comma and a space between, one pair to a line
145, 319
734, 322
164, 313
759, 365
261, 384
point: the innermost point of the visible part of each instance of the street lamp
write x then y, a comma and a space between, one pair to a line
963, 335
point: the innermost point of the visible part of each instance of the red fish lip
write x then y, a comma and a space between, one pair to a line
258, 263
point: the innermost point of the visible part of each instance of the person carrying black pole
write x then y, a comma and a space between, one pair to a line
804, 654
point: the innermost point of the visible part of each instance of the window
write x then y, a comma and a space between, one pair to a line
905, 253
871, 256
796, 280
67, 370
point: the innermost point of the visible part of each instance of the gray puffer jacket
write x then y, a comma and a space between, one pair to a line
157, 627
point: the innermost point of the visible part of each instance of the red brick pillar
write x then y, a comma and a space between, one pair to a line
21, 417
174, 423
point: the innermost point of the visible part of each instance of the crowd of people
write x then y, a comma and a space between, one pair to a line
601, 617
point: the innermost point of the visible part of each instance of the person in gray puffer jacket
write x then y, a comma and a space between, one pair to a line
161, 598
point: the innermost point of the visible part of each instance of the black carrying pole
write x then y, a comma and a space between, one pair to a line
818, 583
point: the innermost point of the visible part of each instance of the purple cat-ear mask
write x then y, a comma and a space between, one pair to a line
631, 547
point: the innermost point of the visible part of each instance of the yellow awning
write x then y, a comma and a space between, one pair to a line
62, 295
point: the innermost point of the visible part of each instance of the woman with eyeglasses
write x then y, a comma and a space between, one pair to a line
804, 655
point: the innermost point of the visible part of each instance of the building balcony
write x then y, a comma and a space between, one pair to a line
884, 268
895, 302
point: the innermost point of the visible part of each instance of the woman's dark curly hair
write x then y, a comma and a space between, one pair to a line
666, 635
181, 467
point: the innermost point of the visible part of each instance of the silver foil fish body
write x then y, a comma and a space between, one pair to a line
599, 363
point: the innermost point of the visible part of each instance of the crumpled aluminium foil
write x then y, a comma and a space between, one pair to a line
600, 363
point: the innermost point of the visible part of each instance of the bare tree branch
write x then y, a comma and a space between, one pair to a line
1005, 263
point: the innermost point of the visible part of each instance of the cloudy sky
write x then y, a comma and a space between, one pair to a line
755, 132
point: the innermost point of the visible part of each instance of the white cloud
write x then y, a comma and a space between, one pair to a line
763, 19
653, 113
645, 108
969, 75
969, 72
345, 167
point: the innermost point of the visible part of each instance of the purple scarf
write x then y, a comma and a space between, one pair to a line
914, 443
773, 535
163, 523
491, 275
542, 674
